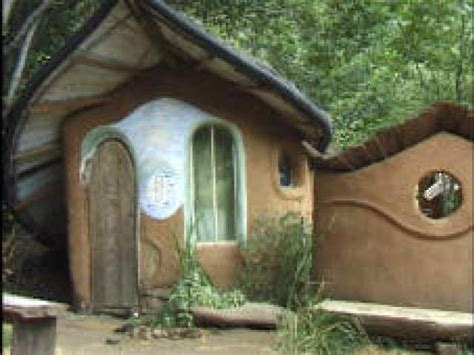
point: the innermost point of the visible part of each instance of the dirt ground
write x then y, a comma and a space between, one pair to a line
83, 335
35, 271
87, 334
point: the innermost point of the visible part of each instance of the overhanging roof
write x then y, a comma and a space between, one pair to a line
122, 39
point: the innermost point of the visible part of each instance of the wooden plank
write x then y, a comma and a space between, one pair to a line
81, 81
105, 63
37, 196
39, 151
406, 322
35, 168
28, 308
34, 324
112, 228
69, 105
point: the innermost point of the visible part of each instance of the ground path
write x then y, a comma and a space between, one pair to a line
86, 334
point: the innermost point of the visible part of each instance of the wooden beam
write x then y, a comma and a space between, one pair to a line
411, 323
35, 168
69, 105
201, 63
105, 63
36, 152
37, 196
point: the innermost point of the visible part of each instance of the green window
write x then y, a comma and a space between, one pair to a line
214, 184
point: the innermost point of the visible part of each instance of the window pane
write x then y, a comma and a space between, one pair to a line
285, 170
203, 189
225, 184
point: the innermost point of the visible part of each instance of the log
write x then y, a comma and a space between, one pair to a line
252, 315
409, 323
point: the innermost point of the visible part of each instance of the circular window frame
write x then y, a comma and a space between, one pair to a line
417, 194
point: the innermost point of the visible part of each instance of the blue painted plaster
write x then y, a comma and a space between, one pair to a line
157, 135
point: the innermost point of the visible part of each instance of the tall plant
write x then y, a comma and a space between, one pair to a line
277, 261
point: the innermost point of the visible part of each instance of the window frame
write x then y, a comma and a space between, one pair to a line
240, 218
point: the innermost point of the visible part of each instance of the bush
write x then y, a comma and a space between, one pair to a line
277, 261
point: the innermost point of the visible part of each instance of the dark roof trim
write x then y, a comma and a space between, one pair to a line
248, 67
440, 117
17, 117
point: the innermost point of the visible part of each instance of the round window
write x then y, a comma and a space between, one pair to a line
439, 194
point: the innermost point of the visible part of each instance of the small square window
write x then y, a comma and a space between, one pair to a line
285, 170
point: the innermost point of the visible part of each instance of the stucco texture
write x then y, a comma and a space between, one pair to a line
372, 242
263, 133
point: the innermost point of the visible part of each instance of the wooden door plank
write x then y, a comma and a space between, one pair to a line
113, 227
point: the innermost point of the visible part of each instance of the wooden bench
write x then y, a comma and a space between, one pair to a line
410, 323
34, 324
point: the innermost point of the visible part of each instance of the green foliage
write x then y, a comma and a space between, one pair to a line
368, 63
61, 20
314, 331
7, 332
194, 288
277, 261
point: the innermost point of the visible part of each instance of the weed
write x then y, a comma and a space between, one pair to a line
194, 288
311, 330
277, 261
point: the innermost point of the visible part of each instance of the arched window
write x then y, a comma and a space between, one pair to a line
215, 185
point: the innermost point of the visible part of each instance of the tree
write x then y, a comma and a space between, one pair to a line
32, 31
369, 63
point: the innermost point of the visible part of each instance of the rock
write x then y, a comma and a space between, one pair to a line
126, 328
252, 315
447, 349
112, 341
159, 333
134, 333
144, 333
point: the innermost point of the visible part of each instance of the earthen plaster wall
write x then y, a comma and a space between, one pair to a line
263, 134
373, 244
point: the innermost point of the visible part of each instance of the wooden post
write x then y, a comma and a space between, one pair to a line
34, 336
34, 324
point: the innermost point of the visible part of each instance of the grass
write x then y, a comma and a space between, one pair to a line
7, 332
311, 330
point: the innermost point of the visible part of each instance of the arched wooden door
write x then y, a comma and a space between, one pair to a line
114, 266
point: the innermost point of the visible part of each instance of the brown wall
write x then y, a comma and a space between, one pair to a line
263, 134
377, 246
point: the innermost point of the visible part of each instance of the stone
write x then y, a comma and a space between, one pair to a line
447, 349
252, 315
112, 341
